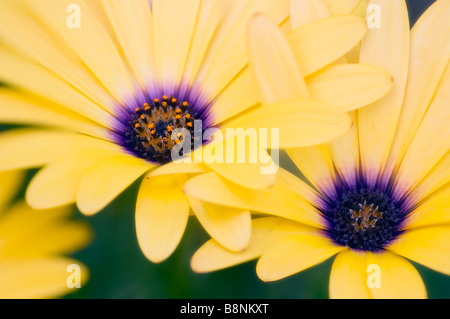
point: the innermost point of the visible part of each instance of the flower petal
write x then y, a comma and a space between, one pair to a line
430, 53
57, 184
265, 231
244, 163
37, 277
354, 275
273, 62
305, 11
429, 246
435, 179
89, 41
293, 254
46, 84
230, 227
434, 210
322, 42
178, 168
283, 199
346, 155
231, 50
351, 86
173, 40
31, 38
387, 48
132, 24
431, 142
105, 181
162, 212
300, 122
316, 164
28, 148
348, 278
29, 109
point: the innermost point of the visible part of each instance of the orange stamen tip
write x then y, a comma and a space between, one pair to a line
138, 109
188, 116
185, 103
177, 141
151, 126
164, 104
174, 100
189, 124
137, 125
165, 97
153, 132
178, 111
156, 100
142, 117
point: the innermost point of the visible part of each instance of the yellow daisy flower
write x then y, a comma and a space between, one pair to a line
115, 79
32, 245
376, 204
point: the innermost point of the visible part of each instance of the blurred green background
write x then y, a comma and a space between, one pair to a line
119, 270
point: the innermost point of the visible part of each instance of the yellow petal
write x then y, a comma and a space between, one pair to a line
273, 62
10, 183
40, 81
283, 199
178, 168
132, 24
348, 87
305, 11
399, 279
429, 246
230, 50
436, 178
243, 164
341, 7
105, 181
357, 275
239, 96
50, 240
20, 108
32, 39
387, 48
57, 184
293, 254
431, 142
299, 122
15, 223
37, 277
162, 213
430, 53
230, 227
434, 210
324, 41
89, 41
316, 165
27, 148
210, 19
265, 231
348, 278
345, 153
173, 40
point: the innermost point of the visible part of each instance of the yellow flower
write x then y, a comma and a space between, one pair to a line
376, 197
114, 79
32, 245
